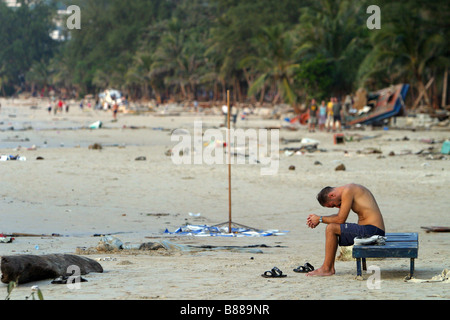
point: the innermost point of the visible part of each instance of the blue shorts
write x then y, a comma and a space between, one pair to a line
350, 231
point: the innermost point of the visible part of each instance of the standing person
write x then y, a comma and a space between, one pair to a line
312, 110
60, 105
322, 115
337, 115
329, 121
348, 197
115, 109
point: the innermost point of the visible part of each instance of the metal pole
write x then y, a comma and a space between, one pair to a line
229, 161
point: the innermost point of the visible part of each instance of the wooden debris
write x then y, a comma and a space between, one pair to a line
28, 268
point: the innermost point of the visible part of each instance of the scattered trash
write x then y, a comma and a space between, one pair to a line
142, 158
95, 146
108, 243
292, 168
436, 229
96, 125
443, 277
5, 239
196, 215
340, 167
446, 147
71, 279
10, 157
338, 138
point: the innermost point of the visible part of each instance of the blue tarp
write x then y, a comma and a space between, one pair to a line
214, 231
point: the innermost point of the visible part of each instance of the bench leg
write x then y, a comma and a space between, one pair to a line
364, 264
411, 268
358, 267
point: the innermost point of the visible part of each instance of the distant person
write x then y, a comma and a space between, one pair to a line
337, 115
312, 110
348, 197
115, 108
322, 115
60, 105
329, 122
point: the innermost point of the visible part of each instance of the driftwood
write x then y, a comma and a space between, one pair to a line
28, 268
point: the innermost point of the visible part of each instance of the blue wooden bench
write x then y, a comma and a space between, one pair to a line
398, 245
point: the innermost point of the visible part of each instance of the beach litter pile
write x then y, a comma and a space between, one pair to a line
112, 244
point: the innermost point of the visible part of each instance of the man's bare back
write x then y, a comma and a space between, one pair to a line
364, 205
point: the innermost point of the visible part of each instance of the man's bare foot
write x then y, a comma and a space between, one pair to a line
321, 272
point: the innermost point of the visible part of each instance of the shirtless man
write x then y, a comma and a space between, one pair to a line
370, 221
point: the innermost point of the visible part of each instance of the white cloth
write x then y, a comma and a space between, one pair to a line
375, 240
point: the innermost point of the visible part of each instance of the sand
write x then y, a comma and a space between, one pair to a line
78, 193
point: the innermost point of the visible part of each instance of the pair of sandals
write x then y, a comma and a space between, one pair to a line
277, 273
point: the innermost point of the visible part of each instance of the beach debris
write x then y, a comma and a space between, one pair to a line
108, 243
195, 215
317, 163
5, 238
39, 158
141, 158
11, 157
215, 231
338, 138
443, 277
28, 268
292, 168
96, 125
68, 279
167, 247
436, 229
106, 259
369, 151
445, 147
95, 146
340, 167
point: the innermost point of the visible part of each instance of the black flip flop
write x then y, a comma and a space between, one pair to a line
274, 273
307, 267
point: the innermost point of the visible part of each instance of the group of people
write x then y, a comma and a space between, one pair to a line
328, 116
62, 105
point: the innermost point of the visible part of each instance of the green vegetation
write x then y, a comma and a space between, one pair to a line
261, 50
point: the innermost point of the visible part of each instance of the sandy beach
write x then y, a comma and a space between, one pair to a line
78, 193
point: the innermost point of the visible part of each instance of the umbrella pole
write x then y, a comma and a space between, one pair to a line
229, 161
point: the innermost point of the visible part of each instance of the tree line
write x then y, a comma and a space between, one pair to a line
286, 51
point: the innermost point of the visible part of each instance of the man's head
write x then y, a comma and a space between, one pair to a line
324, 196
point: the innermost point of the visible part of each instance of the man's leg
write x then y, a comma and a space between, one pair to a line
331, 243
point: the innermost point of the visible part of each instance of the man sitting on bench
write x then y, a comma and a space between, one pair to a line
370, 221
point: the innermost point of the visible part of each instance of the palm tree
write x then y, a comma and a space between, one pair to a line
334, 29
275, 63
406, 49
